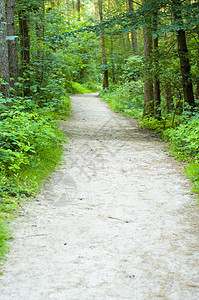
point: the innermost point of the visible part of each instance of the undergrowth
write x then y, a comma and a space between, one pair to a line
31, 147
127, 99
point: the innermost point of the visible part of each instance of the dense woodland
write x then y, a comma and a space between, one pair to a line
142, 55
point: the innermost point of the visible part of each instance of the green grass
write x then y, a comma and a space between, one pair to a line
192, 170
4, 238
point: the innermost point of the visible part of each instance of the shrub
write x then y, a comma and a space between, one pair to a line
185, 140
127, 99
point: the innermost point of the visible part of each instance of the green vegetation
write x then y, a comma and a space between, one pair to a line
184, 145
127, 99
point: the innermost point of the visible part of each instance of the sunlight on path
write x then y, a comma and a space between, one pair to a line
117, 221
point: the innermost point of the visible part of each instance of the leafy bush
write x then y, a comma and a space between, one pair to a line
127, 99
185, 146
134, 68
185, 140
23, 139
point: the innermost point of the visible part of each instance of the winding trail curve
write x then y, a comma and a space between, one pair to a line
117, 221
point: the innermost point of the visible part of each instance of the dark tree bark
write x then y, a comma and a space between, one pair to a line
105, 79
133, 32
4, 64
148, 82
157, 97
197, 83
25, 48
79, 10
184, 58
12, 48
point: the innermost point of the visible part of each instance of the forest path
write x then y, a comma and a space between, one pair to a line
117, 221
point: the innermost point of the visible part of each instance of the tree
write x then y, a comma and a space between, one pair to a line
148, 83
12, 49
183, 54
105, 80
157, 98
79, 10
133, 31
23, 9
4, 64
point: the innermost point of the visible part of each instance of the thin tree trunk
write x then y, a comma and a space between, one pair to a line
4, 63
25, 49
79, 10
105, 80
12, 47
157, 97
197, 83
148, 82
133, 31
184, 58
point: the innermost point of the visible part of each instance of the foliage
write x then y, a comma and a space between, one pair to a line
127, 99
134, 68
154, 125
185, 140
79, 89
184, 145
25, 137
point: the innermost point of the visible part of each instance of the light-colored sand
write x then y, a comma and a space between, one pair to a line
117, 221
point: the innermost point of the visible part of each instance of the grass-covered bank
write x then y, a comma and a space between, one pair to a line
31, 147
181, 130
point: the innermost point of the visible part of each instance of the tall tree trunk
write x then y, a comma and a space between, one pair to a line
4, 63
133, 31
12, 47
105, 79
25, 48
79, 10
157, 97
197, 83
148, 82
184, 58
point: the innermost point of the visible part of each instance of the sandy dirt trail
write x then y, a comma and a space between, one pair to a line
117, 221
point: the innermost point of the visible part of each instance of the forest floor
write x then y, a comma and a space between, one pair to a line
116, 221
